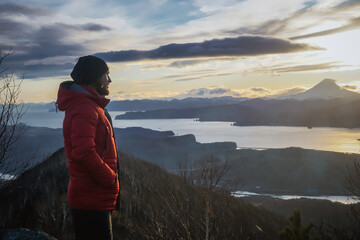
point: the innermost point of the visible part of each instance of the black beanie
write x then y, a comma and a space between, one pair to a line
88, 69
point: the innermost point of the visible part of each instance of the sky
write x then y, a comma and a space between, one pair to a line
177, 49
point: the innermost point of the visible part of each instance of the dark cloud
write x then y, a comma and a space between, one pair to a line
45, 42
50, 42
241, 46
44, 71
93, 27
10, 28
353, 24
11, 8
37, 47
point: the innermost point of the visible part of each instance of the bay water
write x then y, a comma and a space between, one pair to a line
254, 137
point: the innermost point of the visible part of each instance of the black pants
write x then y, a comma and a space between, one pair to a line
91, 224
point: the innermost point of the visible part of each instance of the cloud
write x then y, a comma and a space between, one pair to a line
240, 46
295, 68
347, 3
259, 89
11, 8
93, 27
58, 60
195, 75
39, 72
213, 92
186, 63
11, 28
219, 91
219, 16
143, 95
43, 44
353, 24
279, 26
297, 24
193, 62
270, 27
45, 51
253, 92
350, 87
213, 6
208, 93
186, 79
256, 92
310, 67
48, 37
202, 76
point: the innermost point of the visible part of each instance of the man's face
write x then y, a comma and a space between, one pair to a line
102, 84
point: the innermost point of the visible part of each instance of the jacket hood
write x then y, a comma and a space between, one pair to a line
71, 92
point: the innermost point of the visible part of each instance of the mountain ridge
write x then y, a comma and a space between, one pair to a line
326, 89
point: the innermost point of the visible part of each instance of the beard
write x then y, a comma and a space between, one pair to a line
102, 90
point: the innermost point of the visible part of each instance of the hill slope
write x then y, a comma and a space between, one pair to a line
292, 171
155, 205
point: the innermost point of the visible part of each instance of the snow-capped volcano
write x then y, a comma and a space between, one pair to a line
326, 89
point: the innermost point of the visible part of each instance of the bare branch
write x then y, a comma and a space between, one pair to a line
11, 111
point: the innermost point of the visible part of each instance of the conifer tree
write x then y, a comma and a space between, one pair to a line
295, 231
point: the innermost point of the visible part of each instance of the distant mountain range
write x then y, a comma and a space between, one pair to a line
327, 89
149, 104
324, 105
39, 107
259, 112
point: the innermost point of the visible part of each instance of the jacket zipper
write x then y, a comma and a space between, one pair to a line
105, 142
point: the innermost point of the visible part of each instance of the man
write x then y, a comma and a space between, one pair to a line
90, 148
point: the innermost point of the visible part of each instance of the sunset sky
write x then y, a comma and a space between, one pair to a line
173, 48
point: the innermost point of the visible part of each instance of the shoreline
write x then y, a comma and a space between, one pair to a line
344, 199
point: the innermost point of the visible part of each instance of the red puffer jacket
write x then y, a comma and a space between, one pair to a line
90, 148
